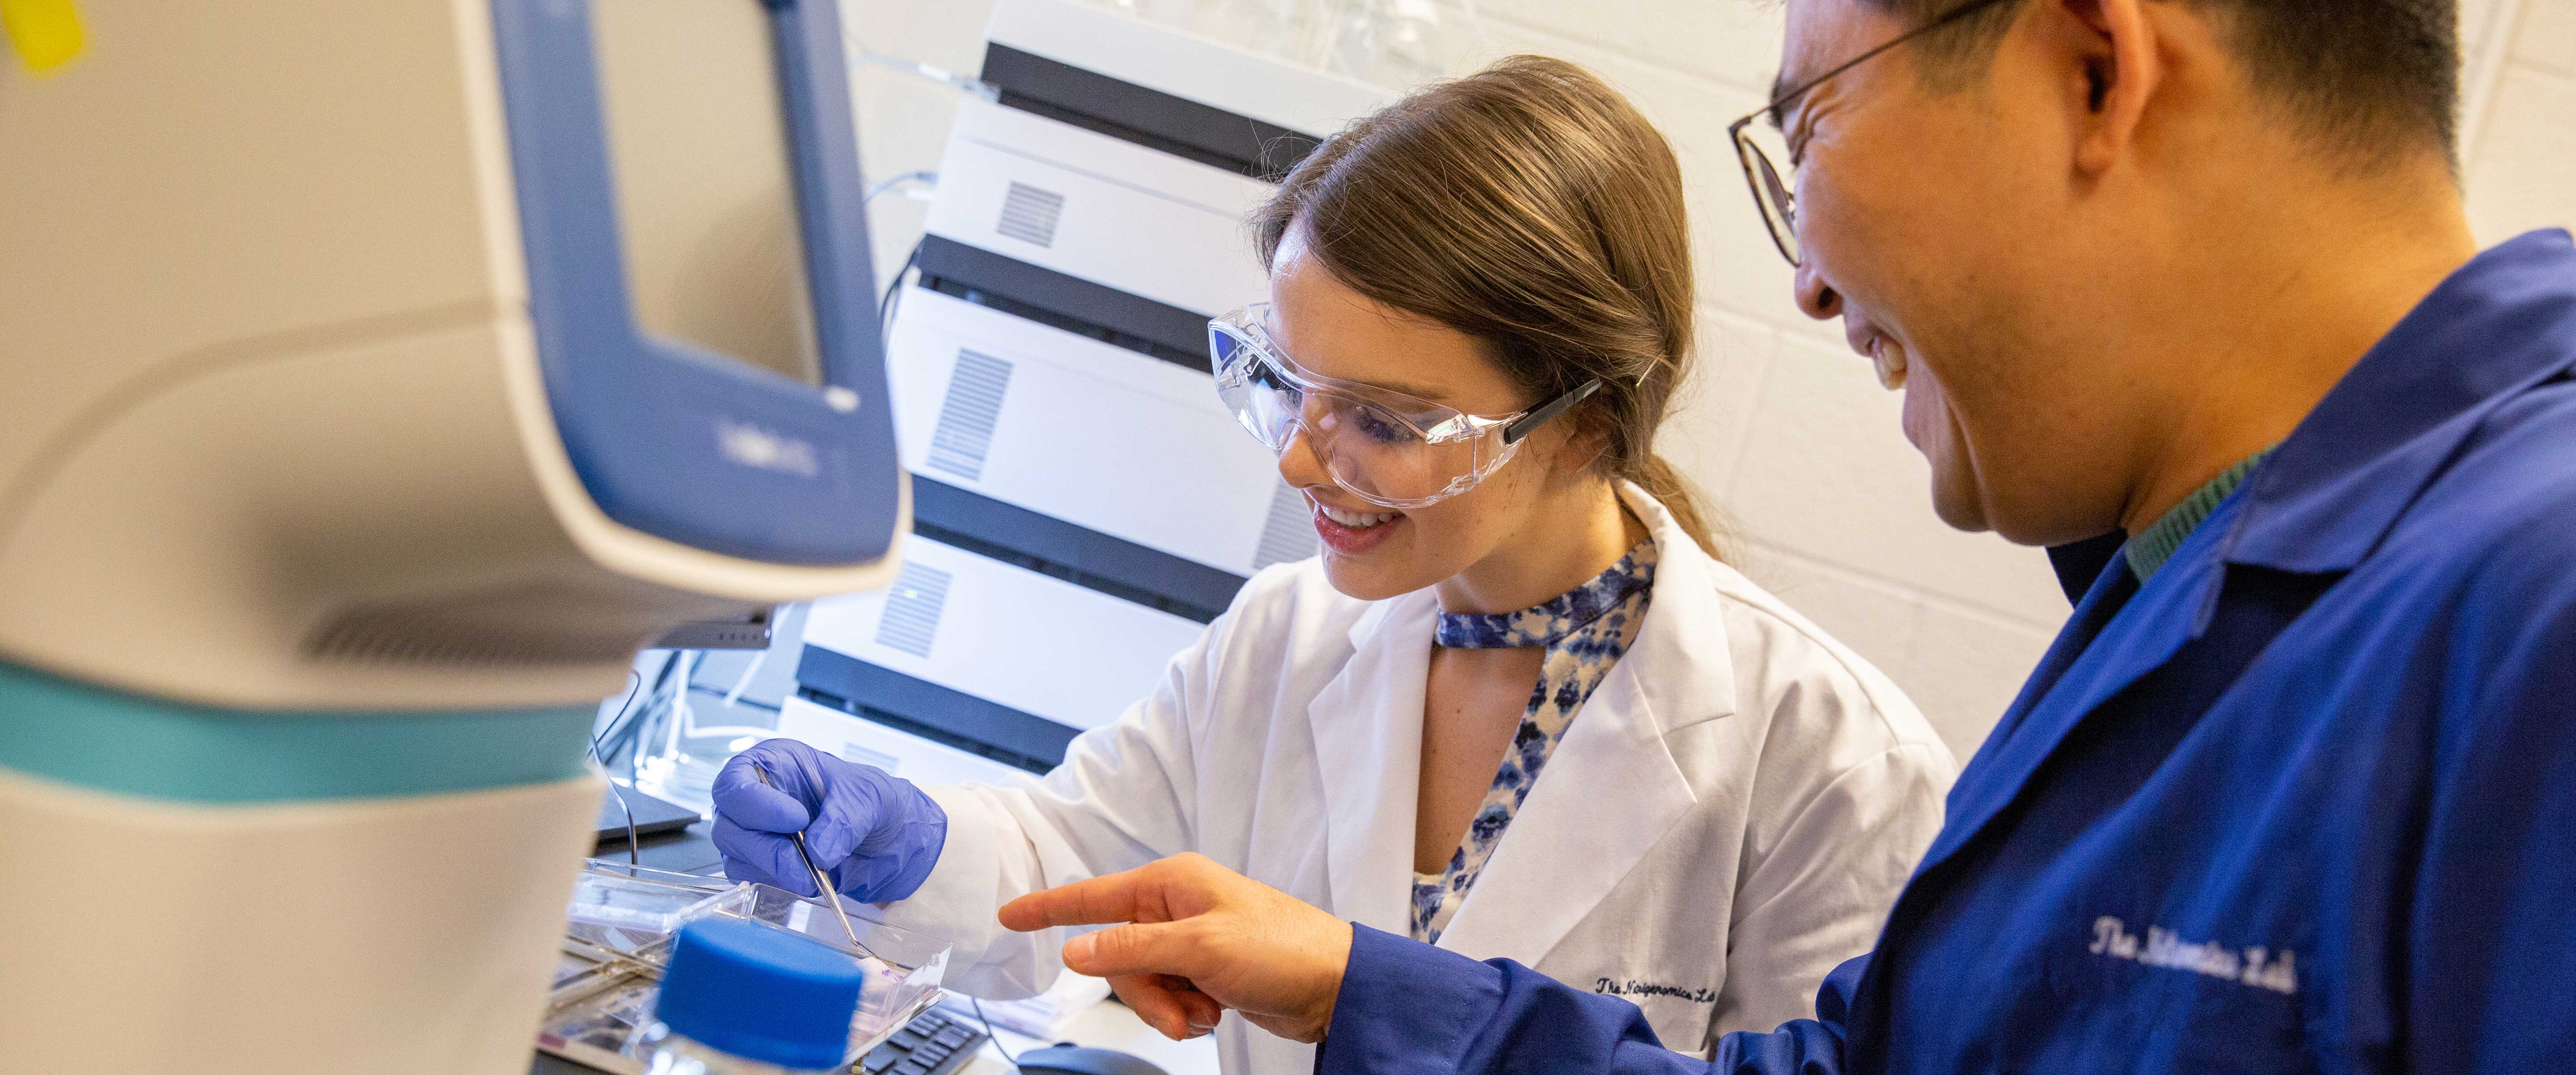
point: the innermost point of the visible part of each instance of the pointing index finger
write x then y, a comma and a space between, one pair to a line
1102, 900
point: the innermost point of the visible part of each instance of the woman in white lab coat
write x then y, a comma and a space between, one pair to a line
1481, 305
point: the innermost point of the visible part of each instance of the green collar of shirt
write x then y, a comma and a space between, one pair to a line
2150, 548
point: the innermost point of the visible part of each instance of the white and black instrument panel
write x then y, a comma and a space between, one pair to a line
1082, 502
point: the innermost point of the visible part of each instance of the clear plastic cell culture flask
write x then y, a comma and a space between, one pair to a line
617, 939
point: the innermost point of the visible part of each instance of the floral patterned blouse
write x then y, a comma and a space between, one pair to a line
1585, 630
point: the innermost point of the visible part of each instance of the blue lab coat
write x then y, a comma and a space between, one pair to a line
2304, 802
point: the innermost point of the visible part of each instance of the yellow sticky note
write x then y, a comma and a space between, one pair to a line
47, 32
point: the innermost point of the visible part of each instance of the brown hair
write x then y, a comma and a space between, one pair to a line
1528, 205
2368, 80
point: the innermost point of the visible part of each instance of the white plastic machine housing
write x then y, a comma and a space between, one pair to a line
990, 659
1083, 431
283, 438
889, 747
1183, 65
1050, 194
971, 624
1083, 498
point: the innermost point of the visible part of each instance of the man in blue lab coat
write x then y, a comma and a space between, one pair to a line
2295, 789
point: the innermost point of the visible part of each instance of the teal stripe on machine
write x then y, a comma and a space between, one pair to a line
131, 745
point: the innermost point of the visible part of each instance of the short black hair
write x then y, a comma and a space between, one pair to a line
2365, 78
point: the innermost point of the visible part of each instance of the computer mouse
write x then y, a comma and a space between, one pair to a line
1077, 1060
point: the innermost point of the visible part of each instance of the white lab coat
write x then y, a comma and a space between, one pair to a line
1727, 818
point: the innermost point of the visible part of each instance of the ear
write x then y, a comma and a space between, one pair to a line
1579, 451
2118, 49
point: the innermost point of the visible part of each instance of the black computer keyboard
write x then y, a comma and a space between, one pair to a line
934, 1043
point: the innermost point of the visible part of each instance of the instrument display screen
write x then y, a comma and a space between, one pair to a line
698, 143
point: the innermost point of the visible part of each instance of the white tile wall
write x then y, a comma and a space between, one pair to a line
1712, 415
1786, 430
1826, 472
2520, 183
2546, 35
1965, 667
2521, 161
904, 119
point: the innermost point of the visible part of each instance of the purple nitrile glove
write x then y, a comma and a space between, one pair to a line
876, 837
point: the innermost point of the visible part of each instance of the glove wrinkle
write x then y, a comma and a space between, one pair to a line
876, 837
741, 796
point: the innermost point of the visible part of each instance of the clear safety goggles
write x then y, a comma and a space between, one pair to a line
1385, 447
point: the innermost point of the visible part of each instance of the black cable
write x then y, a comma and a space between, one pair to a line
988, 1032
616, 735
636, 682
886, 304
633, 860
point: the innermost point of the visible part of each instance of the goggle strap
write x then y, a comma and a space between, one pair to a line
1539, 415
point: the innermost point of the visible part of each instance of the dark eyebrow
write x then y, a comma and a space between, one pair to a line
1424, 394
1399, 388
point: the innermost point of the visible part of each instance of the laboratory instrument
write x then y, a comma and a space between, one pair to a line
648, 815
1084, 504
377, 377
747, 631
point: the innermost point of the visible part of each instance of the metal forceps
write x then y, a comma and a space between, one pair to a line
822, 884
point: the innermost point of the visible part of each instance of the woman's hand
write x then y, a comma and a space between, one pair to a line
1199, 938
876, 837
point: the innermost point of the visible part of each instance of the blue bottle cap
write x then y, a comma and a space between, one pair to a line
761, 993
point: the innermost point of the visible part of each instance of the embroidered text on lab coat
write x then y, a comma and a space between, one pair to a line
1635, 988
2256, 966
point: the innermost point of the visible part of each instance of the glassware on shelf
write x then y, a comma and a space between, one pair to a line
679, 747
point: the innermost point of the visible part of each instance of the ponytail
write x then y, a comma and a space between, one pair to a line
1661, 480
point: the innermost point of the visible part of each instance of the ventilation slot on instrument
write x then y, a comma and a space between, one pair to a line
887, 763
1289, 534
1029, 214
511, 626
968, 414
912, 609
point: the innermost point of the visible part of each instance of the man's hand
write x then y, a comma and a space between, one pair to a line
1199, 938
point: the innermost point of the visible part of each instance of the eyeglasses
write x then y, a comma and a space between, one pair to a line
1388, 448
1775, 191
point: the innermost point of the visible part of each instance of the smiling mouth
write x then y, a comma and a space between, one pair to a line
1888, 361
1351, 533
1357, 520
